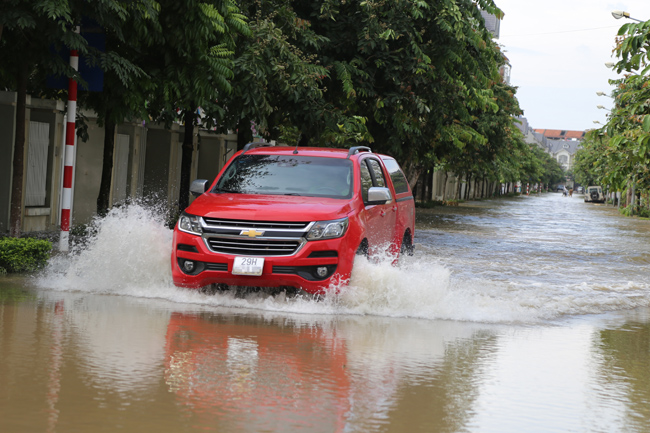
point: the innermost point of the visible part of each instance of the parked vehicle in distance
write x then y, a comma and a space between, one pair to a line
560, 188
580, 190
594, 194
297, 217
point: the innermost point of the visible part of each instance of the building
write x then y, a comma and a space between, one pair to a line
559, 134
492, 23
560, 144
146, 163
564, 151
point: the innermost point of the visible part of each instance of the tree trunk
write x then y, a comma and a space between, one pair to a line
303, 140
412, 173
107, 166
16, 213
186, 161
244, 133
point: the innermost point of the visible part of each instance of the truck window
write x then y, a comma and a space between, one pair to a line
377, 172
366, 181
288, 175
397, 176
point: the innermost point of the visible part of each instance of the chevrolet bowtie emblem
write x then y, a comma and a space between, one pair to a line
251, 233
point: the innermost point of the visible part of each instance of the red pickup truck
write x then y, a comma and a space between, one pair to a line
295, 217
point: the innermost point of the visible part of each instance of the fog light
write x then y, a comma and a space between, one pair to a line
188, 265
321, 271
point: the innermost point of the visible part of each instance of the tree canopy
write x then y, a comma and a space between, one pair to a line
417, 79
618, 155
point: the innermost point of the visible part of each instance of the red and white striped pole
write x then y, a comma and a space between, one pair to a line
527, 189
68, 169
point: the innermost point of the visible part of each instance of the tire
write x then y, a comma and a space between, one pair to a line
407, 247
363, 249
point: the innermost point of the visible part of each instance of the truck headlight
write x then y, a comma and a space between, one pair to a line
328, 229
190, 224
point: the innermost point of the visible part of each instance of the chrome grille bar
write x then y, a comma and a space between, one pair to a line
265, 225
255, 247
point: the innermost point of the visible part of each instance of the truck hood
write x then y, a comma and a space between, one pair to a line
269, 207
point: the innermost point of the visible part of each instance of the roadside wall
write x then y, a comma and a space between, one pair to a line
7, 134
146, 163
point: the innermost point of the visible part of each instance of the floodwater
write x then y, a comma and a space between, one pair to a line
527, 314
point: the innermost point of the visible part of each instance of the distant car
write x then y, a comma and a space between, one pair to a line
594, 194
560, 188
580, 190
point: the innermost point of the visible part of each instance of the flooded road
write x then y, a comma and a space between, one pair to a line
527, 314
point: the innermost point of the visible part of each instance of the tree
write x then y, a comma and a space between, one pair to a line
626, 158
191, 66
126, 85
29, 29
413, 69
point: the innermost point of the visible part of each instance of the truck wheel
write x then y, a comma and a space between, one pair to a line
363, 249
407, 247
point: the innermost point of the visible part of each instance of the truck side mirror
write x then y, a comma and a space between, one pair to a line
198, 187
378, 195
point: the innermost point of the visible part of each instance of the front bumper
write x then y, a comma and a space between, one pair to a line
300, 270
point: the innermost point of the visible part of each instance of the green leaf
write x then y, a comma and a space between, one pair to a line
646, 123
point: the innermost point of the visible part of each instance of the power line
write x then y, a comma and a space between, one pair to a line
555, 33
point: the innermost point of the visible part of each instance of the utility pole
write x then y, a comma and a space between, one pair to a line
68, 170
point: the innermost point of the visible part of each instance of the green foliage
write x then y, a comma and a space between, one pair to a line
620, 155
23, 254
419, 80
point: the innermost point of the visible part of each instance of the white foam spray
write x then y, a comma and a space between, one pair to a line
129, 254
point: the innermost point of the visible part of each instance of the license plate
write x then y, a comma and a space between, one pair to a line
248, 266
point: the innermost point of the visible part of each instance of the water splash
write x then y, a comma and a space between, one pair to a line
129, 249
129, 254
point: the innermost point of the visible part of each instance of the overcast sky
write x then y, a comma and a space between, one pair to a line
558, 50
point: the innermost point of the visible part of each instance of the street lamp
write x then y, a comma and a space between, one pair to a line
602, 94
602, 107
621, 14
610, 65
596, 121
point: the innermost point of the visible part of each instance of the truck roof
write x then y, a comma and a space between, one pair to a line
323, 152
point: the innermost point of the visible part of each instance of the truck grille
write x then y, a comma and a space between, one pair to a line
264, 225
254, 247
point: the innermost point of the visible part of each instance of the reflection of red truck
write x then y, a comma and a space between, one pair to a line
279, 216
269, 378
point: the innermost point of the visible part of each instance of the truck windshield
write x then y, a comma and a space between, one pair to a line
288, 175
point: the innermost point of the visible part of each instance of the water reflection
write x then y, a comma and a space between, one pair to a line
80, 362
623, 374
71, 359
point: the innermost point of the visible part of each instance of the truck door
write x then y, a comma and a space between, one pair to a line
380, 218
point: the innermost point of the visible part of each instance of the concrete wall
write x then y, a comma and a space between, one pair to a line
214, 151
146, 163
7, 130
87, 174
46, 217
42, 217
157, 160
